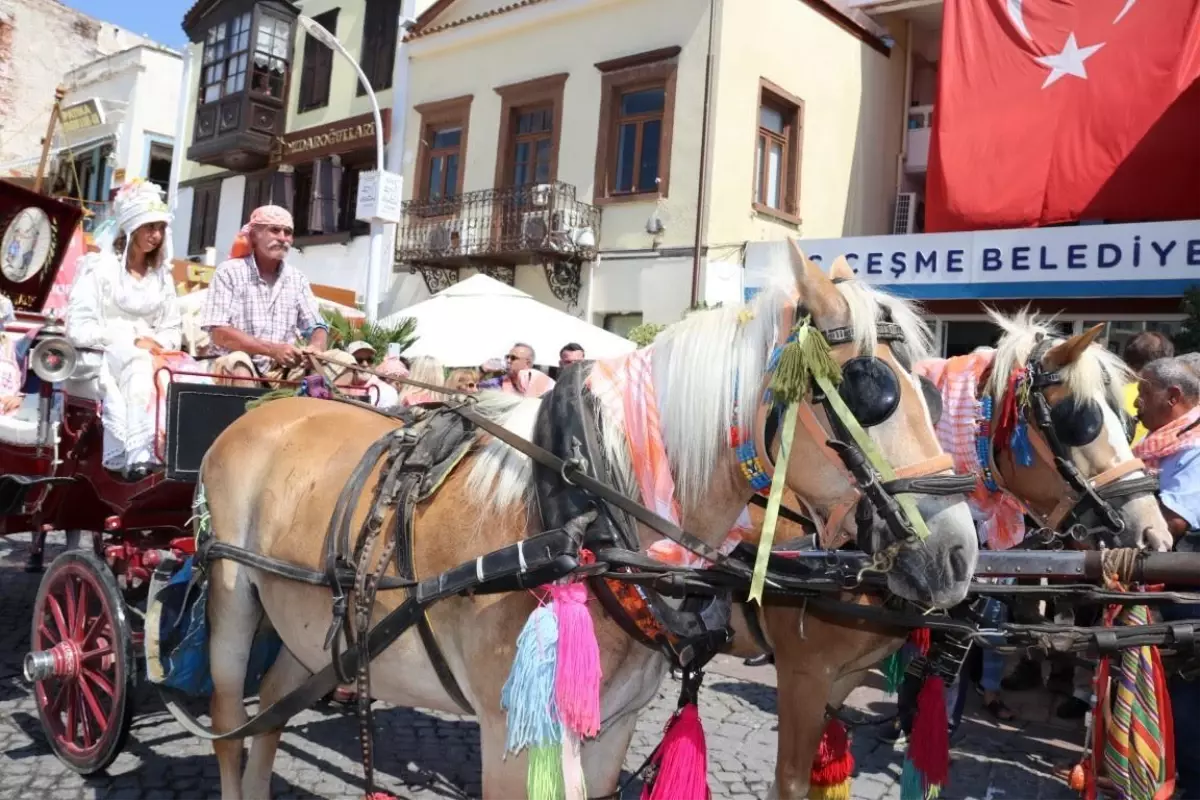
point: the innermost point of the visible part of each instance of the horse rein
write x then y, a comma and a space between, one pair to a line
1080, 493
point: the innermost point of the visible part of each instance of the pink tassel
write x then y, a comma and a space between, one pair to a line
682, 760
577, 675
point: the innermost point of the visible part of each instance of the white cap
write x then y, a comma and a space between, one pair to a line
354, 347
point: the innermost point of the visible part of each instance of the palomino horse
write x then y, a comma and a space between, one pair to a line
831, 659
272, 479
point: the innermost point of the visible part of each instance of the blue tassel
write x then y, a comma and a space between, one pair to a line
528, 694
1022, 450
912, 785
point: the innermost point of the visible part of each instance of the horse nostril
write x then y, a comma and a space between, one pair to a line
958, 564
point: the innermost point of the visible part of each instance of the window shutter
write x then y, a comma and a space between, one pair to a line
283, 190
196, 231
333, 198
314, 199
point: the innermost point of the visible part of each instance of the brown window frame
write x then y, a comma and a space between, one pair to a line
316, 66
545, 93
791, 108
620, 76
452, 112
226, 57
206, 209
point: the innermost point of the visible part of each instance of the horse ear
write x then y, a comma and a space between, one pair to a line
841, 270
816, 289
1069, 351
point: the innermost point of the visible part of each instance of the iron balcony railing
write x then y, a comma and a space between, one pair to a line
522, 224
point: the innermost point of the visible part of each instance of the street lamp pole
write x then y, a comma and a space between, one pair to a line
321, 34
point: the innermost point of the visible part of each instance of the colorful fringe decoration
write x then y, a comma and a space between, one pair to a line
552, 695
927, 764
894, 669
577, 675
1133, 732
805, 357
833, 766
681, 761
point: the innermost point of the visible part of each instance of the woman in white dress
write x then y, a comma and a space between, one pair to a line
124, 303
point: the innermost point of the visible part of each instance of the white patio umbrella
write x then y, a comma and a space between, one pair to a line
480, 318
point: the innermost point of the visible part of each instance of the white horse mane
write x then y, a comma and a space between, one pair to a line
1098, 373
708, 371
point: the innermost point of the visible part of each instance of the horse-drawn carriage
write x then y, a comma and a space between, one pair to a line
421, 540
87, 630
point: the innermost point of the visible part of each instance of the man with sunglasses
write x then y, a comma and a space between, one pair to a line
521, 377
259, 306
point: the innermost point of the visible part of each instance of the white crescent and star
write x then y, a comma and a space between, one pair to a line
1069, 61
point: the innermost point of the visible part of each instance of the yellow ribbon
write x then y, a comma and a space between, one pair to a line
778, 483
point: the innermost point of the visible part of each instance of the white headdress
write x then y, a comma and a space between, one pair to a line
139, 203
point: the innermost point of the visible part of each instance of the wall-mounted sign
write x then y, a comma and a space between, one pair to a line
1140, 259
380, 197
343, 136
79, 116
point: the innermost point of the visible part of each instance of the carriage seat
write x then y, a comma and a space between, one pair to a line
21, 428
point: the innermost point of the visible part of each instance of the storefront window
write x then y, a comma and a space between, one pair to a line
1118, 333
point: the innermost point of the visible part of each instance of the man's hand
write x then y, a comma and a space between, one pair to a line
146, 343
11, 403
286, 354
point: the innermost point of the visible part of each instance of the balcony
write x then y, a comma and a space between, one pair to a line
530, 224
920, 126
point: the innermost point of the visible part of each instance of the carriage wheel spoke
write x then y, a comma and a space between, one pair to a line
56, 704
71, 602
81, 602
85, 720
47, 637
100, 680
94, 628
56, 612
72, 723
93, 705
99, 652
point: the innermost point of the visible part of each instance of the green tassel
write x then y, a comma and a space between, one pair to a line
545, 778
894, 668
807, 356
912, 785
275, 394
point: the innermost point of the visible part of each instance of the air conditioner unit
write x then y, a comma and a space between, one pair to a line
904, 220
535, 228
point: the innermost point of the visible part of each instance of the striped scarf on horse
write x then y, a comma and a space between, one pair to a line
624, 387
958, 379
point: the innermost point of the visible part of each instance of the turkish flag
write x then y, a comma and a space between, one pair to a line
1052, 111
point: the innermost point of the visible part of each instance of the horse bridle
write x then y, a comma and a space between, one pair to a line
1102, 495
868, 496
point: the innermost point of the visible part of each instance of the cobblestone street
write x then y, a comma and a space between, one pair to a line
426, 755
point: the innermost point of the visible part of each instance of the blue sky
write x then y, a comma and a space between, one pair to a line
158, 19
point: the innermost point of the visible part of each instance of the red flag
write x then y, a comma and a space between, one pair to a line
1052, 111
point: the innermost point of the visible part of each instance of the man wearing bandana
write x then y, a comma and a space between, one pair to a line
261, 314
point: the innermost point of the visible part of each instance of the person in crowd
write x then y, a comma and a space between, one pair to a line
464, 380
427, 370
1168, 406
491, 373
521, 377
259, 306
339, 368
12, 355
1143, 348
124, 303
363, 353
1191, 361
570, 353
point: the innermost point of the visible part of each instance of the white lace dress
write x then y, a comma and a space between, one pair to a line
111, 308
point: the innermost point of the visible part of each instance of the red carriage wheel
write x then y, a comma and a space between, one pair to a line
81, 662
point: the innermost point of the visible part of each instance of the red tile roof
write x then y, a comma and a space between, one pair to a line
437, 8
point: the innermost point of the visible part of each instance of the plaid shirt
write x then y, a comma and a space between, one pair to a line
239, 298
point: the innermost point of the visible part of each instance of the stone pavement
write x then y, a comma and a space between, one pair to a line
426, 755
